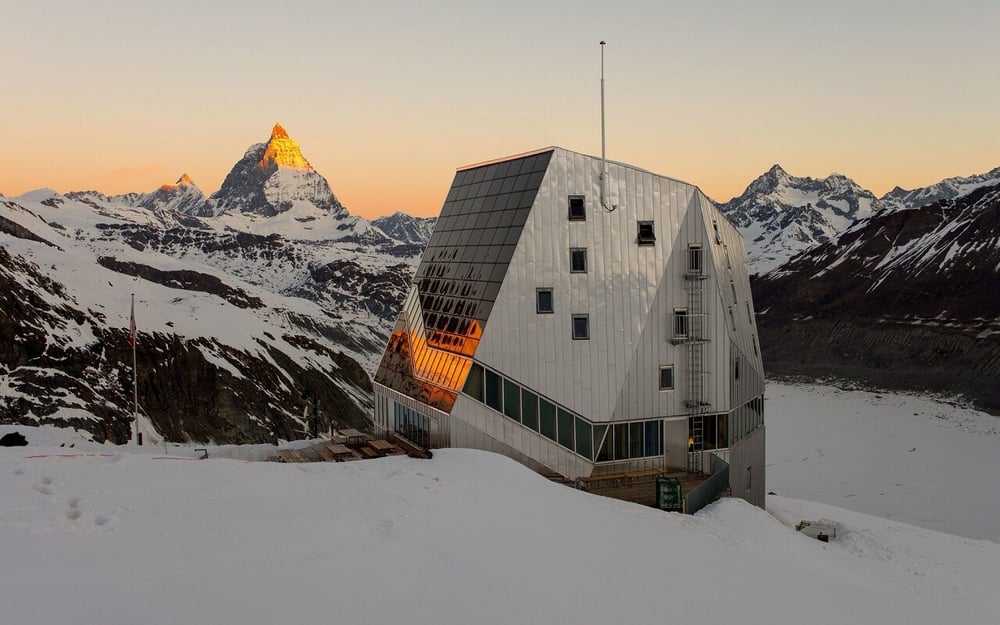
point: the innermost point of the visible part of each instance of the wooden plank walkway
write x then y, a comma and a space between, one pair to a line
640, 486
337, 450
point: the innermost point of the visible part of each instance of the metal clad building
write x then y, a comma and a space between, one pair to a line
576, 339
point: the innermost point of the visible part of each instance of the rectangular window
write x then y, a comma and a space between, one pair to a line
646, 234
736, 368
546, 419
583, 436
578, 260
635, 440
543, 301
653, 438
602, 438
749, 314
577, 208
512, 400
732, 319
474, 383
493, 391
666, 377
708, 437
723, 427
695, 260
581, 327
565, 429
620, 441
680, 323
732, 287
529, 409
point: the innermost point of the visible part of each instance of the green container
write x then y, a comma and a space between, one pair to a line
668, 494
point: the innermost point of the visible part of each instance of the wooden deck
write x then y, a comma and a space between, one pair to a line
640, 486
343, 447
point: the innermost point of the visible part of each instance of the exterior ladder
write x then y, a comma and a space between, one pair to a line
696, 339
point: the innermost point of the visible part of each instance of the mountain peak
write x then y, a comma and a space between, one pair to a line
776, 171
184, 179
282, 151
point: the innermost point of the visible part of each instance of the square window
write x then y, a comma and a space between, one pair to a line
577, 208
581, 327
543, 301
578, 260
667, 378
646, 235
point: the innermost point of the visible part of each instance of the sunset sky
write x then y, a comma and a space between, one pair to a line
389, 98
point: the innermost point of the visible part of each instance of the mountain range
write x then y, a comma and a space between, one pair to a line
267, 297
781, 215
253, 305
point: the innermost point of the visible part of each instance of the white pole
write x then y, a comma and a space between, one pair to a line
604, 160
135, 378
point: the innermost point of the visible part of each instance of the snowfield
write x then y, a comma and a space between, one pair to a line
104, 534
901, 457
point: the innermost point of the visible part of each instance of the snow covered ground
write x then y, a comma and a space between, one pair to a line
103, 534
901, 457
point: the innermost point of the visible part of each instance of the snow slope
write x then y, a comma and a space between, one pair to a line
121, 535
906, 458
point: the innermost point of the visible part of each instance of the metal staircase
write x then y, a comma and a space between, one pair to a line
696, 339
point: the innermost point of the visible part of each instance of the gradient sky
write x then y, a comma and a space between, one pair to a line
389, 98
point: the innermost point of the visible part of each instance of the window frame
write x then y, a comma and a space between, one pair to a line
672, 386
651, 238
586, 318
574, 253
678, 314
538, 302
580, 216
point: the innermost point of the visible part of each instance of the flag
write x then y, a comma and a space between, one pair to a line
131, 336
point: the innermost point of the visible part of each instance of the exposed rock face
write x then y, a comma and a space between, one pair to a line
947, 189
270, 179
906, 298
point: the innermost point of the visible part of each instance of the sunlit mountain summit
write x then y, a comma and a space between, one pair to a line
273, 178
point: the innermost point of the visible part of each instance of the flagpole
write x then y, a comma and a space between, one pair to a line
135, 378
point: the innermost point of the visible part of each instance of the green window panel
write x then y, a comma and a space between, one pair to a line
494, 398
512, 400
583, 439
546, 419
565, 429
529, 409
474, 383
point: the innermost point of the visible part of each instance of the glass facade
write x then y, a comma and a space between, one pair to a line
594, 441
429, 354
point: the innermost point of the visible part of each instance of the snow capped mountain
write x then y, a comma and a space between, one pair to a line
183, 196
273, 178
247, 302
904, 298
781, 215
406, 228
947, 189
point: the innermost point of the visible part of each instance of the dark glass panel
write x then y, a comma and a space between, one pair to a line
512, 400
474, 383
565, 429
493, 391
529, 409
635, 448
546, 419
583, 438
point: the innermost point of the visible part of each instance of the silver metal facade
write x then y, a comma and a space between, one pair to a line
629, 292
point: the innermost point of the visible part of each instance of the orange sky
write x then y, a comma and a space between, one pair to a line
388, 100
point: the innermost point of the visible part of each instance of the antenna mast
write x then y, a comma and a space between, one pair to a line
604, 157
